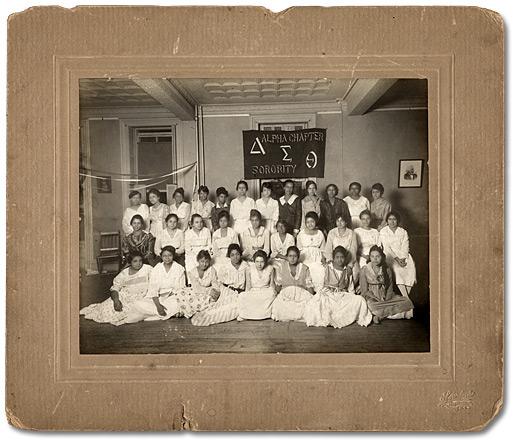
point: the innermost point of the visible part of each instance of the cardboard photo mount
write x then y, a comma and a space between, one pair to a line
457, 386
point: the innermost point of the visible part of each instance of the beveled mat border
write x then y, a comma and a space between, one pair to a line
438, 365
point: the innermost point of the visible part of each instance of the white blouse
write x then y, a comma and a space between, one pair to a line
240, 212
366, 239
209, 280
163, 282
164, 239
395, 245
157, 216
183, 213
194, 243
280, 248
221, 244
269, 213
252, 242
143, 210
355, 207
348, 241
231, 276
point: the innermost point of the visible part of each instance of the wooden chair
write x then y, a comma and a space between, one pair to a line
110, 257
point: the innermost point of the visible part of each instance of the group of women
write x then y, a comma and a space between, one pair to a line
325, 262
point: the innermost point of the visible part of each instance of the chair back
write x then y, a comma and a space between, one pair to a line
110, 243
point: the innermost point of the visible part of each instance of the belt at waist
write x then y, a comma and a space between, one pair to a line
233, 288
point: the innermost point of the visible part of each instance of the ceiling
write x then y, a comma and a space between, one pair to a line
188, 93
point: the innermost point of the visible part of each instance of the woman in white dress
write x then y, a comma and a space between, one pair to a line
336, 304
343, 236
172, 236
129, 286
396, 246
268, 208
160, 302
311, 243
232, 278
356, 203
197, 238
158, 212
366, 237
222, 239
241, 207
136, 207
181, 209
254, 238
311, 202
202, 206
256, 302
280, 242
293, 283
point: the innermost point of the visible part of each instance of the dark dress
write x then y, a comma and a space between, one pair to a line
291, 212
329, 213
144, 244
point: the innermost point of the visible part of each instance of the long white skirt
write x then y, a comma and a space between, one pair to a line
405, 275
145, 310
256, 304
317, 271
337, 309
290, 304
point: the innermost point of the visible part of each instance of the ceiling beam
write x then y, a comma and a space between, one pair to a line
165, 93
365, 93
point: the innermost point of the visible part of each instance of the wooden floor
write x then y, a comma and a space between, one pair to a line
178, 335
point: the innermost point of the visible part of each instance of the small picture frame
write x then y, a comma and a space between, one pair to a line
410, 173
104, 185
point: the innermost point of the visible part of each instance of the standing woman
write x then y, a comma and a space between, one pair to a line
331, 208
294, 287
139, 241
181, 209
166, 278
172, 236
290, 208
221, 205
379, 207
240, 208
396, 246
280, 242
255, 238
311, 202
377, 288
136, 207
356, 203
202, 206
158, 212
268, 208
197, 238
346, 238
366, 238
232, 277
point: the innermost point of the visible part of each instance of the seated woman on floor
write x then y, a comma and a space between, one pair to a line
377, 288
294, 287
257, 301
129, 286
204, 289
139, 241
232, 277
336, 304
160, 303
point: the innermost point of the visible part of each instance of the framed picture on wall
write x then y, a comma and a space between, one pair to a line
410, 173
104, 185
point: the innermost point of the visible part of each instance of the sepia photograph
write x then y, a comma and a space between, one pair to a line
253, 216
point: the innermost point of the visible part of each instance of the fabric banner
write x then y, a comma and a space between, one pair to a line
284, 153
